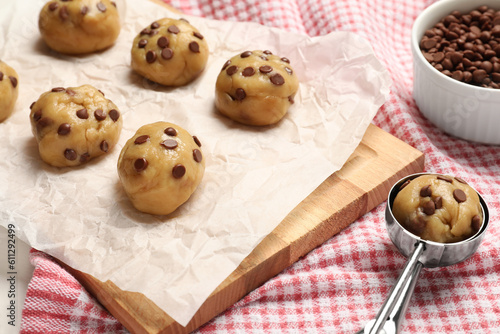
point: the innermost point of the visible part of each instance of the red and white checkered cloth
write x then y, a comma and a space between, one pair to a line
341, 285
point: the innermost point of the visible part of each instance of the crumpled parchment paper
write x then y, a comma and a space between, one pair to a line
253, 178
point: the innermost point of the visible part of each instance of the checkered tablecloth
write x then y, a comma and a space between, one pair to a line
341, 285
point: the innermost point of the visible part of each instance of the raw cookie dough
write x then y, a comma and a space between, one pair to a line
8, 90
74, 125
79, 26
160, 167
438, 208
256, 88
170, 52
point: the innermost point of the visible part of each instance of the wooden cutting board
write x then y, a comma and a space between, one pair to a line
362, 183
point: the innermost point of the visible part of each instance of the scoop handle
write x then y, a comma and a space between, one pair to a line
394, 308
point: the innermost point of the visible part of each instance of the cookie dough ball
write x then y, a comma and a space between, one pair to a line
79, 26
256, 88
74, 125
438, 208
8, 90
170, 52
160, 167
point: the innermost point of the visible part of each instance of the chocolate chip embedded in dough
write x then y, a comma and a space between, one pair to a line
445, 178
459, 195
32, 104
246, 54
291, 99
288, 70
64, 14
150, 56
99, 115
155, 25
197, 141
286, 60
142, 43
240, 94
84, 157
1, 75
70, 154
101, 7
197, 35
264, 58
167, 53
248, 71
13, 81
44, 122
141, 139
170, 131
277, 79
84, 10
438, 202
64, 129
178, 171
163, 42
226, 64
476, 223
70, 92
173, 29
426, 191
146, 31
197, 156
104, 146
57, 89
429, 208
460, 180
140, 164
231, 70
169, 144
407, 182
37, 115
82, 113
194, 47
267, 52
114, 114
53, 6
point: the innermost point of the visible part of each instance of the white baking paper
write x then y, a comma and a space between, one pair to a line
254, 175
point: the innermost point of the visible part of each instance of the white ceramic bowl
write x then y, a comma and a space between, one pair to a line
462, 110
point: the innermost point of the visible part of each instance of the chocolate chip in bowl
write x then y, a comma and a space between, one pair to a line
456, 48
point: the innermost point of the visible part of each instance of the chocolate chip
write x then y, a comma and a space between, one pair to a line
170, 132
460, 180
240, 94
104, 146
173, 29
82, 113
426, 191
286, 60
141, 139
37, 115
246, 54
13, 81
169, 144
114, 114
70, 154
197, 35
142, 43
163, 42
197, 156
407, 182
150, 56
84, 157
445, 178
248, 71
277, 79
291, 100
70, 92
101, 7
231, 70
194, 47
58, 89
155, 25
64, 14
140, 164
263, 58
438, 202
226, 64
429, 208
476, 223
99, 115
44, 122
288, 70
459, 195
178, 171
146, 31
53, 6
197, 141
167, 53
64, 129
1, 75
100, 91
32, 104
267, 52
84, 10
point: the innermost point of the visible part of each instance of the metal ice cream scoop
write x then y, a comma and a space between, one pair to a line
420, 253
